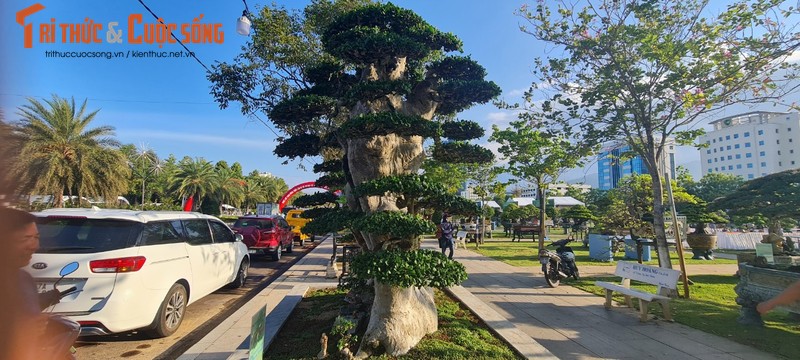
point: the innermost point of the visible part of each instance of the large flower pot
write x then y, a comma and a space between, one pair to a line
600, 247
757, 284
702, 245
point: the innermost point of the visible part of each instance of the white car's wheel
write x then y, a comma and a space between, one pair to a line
170, 313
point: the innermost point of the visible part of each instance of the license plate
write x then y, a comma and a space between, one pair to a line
43, 286
544, 261
252, 251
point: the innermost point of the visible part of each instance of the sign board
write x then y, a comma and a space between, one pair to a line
257, 329
266, 209
765, 250
669, 228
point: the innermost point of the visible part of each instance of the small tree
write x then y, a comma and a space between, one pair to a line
775, 196
537, 157
699, 215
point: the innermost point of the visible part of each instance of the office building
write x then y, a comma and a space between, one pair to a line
614, 163
752, 145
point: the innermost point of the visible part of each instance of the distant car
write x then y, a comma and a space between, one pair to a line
296, 220
138, 270
265, 234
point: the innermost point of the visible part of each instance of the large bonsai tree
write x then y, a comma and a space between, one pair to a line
367, 103
775, 196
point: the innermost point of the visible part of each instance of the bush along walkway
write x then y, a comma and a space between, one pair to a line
573, 324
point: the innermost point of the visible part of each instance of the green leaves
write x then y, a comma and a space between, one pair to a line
302, 109
456, 67
412, 185
460, 152
419, 268
384, 123
394, 224
298, 146
457, 95
378, 31
316, 199
460, 130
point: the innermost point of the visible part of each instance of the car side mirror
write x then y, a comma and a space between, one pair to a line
239, 237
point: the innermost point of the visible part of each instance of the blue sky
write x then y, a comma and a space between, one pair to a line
164, 103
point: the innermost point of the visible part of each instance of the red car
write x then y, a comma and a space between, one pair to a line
266, 234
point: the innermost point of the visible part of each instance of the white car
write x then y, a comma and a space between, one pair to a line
136, 269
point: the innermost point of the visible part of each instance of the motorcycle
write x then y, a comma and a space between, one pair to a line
61, 332
559, 264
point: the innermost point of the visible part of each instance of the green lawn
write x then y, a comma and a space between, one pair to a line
524, 254
712, 308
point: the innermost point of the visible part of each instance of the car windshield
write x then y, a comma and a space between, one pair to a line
69, 235
264, 224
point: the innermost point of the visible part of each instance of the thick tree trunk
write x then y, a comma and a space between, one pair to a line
400, 318
662, 248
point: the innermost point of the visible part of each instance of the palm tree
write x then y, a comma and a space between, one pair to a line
145, 165
230, 188
253, 193
61, 154
194, 178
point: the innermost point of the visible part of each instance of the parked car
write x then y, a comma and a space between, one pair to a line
296, 220
265, 234
137, 269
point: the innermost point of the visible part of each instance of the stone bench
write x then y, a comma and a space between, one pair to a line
665, 279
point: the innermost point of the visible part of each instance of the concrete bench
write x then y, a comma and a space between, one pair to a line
665, 279
461, 238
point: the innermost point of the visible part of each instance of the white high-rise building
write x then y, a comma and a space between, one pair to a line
752, 145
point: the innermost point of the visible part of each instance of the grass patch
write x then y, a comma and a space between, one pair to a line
461, 335
525, 254
712, 308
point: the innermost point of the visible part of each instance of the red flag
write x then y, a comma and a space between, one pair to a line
188, 205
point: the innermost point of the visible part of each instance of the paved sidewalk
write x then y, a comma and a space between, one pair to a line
573, 324
231, 338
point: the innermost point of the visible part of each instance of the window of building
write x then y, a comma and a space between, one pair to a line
778, 141
779, 152
720, 138
748, 155
792, 162
735, 136
709, 161
738, 166
750, 176
715, 169
761, 143
763, 164
747, 144
736, 146
708, 151
788, 129
738, 156
721, 148
728, 147
749, 165
714, 141
780, 163
709, 170
746, 134
760, 132
715, 159
727, 137
776, 131
762, 153
730, 157
791, 151
730, 167
763, 174
790, 139
715, 150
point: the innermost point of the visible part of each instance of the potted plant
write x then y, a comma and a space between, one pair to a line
701, 241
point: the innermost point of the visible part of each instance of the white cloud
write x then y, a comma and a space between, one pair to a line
200, 139
515, 92
794, 57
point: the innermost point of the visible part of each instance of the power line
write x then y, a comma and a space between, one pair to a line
120, 100
175, 37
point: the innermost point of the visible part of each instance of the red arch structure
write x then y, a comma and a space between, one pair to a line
306, 185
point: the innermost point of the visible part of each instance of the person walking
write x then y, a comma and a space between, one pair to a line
446, 240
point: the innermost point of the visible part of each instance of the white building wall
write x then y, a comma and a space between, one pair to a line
752, 145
